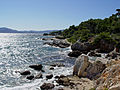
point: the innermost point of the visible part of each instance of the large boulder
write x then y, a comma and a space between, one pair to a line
81, 64
95, 69
84, 68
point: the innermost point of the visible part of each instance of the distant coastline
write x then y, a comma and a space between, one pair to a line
8, 30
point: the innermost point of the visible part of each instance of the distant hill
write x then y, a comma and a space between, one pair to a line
8, 30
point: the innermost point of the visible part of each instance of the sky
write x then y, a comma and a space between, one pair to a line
52, 14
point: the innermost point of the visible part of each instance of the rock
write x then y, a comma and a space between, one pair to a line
47, 86
30, 77
57, 64
75, 83
51, 68
81, 64
25, 73
110, 77
105, 47
60, 88
92, 53
74, 54
43, 70
84, 68
49, 76
94, 70
38, 76
82, 47
58, 43
63, 81
36, 67
61, 76
112, 54
115, 87
53, 65
56, 77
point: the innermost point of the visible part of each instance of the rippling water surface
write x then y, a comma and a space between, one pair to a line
18, 51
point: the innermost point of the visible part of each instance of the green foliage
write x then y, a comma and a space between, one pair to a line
92, 89
91, 28
56, 33
82, 35
104, 36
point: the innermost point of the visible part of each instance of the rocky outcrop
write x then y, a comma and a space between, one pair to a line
47, 86
84, 68
102, 46
82, 47
36, 67
78, 48
75, 83
105, 47
110, 77
59, 43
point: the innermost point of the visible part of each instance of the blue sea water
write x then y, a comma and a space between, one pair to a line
19, 50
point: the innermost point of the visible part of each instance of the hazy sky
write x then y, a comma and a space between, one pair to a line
52, 14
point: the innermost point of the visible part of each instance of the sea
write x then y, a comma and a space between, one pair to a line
19, 50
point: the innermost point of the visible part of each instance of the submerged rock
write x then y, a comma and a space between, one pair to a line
36, 67
47, 86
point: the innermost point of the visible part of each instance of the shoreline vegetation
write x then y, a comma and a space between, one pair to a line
91, 38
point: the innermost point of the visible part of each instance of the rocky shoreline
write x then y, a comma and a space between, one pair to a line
103, 73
